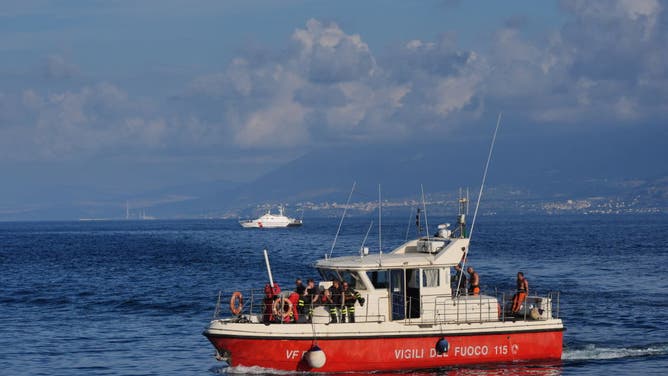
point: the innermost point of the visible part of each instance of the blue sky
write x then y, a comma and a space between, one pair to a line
132, 96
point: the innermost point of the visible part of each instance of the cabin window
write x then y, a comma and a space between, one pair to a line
353, 280
431, 278
378, 278
329, 274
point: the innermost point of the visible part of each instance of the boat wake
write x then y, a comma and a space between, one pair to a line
593, 352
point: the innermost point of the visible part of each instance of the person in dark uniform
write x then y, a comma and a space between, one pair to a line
300, 289
350, 296
311, 298
334, 300
459, 280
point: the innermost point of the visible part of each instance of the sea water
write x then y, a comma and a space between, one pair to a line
133, 297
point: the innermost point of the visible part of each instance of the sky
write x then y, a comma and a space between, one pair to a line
125, 97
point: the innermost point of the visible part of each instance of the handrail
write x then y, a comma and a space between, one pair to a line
433, 308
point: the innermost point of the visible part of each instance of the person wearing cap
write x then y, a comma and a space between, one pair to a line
300, 289
350, 296
334, 300
310, 297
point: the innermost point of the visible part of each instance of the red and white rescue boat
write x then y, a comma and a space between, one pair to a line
408, 317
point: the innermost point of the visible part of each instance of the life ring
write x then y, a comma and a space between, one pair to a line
280, 309
236, 303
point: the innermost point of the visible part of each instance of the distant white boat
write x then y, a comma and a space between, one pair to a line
269, 220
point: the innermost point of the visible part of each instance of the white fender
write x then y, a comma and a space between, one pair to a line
315, 357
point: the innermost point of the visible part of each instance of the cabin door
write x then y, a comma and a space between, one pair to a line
397, 294
413, 293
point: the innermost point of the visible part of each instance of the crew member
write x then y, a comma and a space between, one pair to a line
459, 280
300, 289
334, 300
310, 297
270, 295
522, 292
350, 296
474, 279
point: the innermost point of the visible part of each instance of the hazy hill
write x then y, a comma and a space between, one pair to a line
522, 174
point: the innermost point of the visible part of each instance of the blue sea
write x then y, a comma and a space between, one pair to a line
133, 297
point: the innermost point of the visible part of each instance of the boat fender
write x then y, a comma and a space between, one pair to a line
282, 308
534, 314
442, 346
236, 303
315, 357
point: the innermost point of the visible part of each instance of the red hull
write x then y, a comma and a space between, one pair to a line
382, 354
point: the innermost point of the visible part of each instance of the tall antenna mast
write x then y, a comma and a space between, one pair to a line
463, 212
484, 176
424, 207
341, 222
482, 185
410, 218
364, 241
380, 223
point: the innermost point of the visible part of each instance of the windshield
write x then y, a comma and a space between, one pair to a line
329, 274
352, 278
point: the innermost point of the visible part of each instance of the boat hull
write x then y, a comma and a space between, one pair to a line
390, 353
259, 224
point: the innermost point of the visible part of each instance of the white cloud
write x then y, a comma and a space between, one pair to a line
328, 54
56, 67
68, 123
605, 66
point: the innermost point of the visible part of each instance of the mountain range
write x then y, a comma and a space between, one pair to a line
522, 177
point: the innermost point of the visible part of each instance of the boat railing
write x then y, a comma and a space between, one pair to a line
428, 309
459, 309
253, 305
537, 306
439, 308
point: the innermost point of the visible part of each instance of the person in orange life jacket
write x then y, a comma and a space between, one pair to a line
350, 296
334, 299
522, 292
293, 315
270, 294
474, 281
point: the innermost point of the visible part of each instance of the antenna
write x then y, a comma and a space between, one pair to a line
418, 227
463, 213
380, 218
408, 228
364, 241
484, 176
341, 222
424, 206
475, 213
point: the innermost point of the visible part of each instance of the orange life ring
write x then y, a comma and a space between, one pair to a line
280, 309
236, 303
